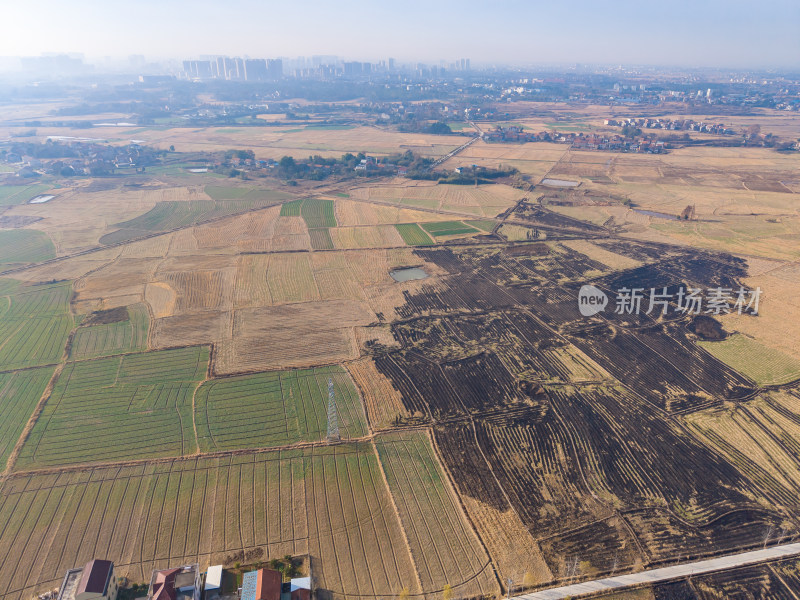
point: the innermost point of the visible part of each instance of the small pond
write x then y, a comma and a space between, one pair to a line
408, 274
657, 215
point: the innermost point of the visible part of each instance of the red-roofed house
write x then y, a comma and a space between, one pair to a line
180, 583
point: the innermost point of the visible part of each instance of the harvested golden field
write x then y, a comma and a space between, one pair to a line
776, 325
199, 290
610, 259
380, 236
382, 401
534, 159
511, 546
291, 279
78, 217
482, 201
351, 213
292, 335
275, 142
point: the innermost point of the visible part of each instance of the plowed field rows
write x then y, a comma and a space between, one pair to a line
331, 503
440, 538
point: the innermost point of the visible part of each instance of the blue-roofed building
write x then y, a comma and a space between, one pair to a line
249, 585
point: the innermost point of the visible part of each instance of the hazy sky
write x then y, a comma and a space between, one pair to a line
671, 32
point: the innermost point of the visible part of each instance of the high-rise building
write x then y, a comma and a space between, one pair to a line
274, 68
255, 69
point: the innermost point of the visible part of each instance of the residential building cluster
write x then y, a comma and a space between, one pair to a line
672, 124
234, 69
97, 580
579, 141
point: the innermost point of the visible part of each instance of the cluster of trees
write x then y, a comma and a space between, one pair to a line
467, 176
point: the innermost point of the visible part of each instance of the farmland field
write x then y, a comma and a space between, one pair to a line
321, 239
143, 399
431, 516
163, 380
19, 194
413, 235
274, 409
128, 334
763, 365
20, 246
19, 393
34, 325
318, 213
444, 228
329, 502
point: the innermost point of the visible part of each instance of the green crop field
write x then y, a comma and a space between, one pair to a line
763, 365
20, 391
24, 246
20, 194
274, 409
122, 337
483, 224
413, 234
34, 324
318, 213
321, 239
118, 408
430, 513
291, 209
443, 228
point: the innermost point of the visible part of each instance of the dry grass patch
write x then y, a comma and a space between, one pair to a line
382, 401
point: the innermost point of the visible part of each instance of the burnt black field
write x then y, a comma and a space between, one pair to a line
598, 467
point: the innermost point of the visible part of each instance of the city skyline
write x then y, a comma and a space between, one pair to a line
706, 34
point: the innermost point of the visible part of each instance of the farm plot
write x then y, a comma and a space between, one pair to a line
351, 213
763, 365
144, 400
329, 502
173, 214
34, 324
291, 279
379, 236
761, 438
382, 401
115, 331
317, 213
413, 235
446, 548
276, 408
19, 194
445, 228
292, 335
24, 246
219, 192
20, 391
321, 239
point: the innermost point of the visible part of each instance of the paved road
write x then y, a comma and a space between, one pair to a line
664, 573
